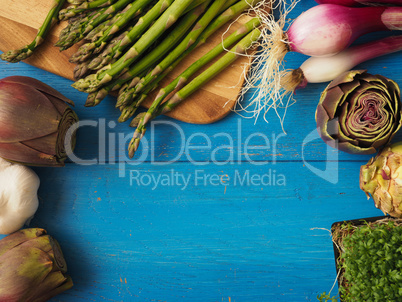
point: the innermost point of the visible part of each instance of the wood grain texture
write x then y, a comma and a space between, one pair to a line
233, 233
21, 19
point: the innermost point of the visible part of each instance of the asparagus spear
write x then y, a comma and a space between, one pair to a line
191, 37
94, 98
27, 50
215, 69
149, 60
75, 22
96, 46
83, 69
175, 36
128, 110
80, 70
168, 18
154, 56
73, 30
182, 79
119, 7
76, 2
194, 85
87, 24
72, 11
143, 23
182, 50
98, 30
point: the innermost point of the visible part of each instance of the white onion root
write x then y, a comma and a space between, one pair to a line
263, 78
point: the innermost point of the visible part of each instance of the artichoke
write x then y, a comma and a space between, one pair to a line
381, 178
34, 121
32, 267
359, 112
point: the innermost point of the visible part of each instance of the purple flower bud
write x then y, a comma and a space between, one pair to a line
34, 121
32, 267
359, 112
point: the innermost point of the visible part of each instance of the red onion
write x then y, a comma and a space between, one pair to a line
323, 30
328, 28
325, 69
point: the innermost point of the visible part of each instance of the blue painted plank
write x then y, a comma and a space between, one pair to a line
248, 226
124, 239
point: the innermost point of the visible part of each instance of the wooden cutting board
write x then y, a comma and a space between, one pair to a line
20, 19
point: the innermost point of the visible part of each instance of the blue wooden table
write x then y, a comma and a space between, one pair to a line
231, 211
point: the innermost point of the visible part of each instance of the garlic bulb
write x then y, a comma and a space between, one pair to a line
18, 196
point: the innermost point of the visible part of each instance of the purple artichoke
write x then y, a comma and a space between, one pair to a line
34, 120
32, 267
359, 112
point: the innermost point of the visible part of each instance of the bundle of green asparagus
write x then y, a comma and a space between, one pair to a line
130, 46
